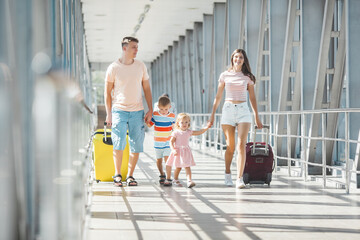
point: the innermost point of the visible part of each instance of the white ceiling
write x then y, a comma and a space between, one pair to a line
108, 21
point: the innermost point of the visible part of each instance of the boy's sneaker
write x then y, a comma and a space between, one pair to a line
240, 183
228, 180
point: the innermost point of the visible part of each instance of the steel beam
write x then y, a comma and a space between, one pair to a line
278, 12
233, 8
208, 62
190, 72
177, 79
290, 90
198, 70
320, 87
208, 77
252, 32
219, 43
182, 75
263, 50
352, 72
170, 90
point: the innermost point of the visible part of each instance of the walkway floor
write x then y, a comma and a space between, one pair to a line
289, 209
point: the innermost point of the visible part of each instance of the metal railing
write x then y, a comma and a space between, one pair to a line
214, 139
63, 155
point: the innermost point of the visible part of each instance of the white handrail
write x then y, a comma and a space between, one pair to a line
213, 140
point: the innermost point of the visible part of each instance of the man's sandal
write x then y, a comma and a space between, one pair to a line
130, 181
168, 182
117, 183
162, 179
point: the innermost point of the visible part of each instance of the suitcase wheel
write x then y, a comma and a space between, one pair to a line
97, 180
246, 178
268, 178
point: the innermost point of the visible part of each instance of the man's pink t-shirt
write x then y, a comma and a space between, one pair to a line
127, 81
236, 85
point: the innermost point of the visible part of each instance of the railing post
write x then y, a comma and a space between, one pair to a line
288, 142
304, 146
216, 136
347, 148
323, 148
276, 119
221, 142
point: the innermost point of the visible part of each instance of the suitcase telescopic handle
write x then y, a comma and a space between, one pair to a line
105, 124
266, 139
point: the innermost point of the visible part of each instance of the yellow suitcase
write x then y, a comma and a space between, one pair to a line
103, 157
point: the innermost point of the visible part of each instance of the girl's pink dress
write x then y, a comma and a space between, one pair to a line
184, 157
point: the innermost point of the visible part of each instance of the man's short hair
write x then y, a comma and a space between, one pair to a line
163, 101
126, 40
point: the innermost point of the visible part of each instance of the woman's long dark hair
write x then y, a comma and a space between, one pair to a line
246, 70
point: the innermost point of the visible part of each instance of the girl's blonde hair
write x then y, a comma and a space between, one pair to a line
180, 117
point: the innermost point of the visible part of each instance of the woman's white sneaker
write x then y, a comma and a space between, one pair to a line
228, 180
240, 183
190, 184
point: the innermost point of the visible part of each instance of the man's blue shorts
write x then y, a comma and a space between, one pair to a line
122, 121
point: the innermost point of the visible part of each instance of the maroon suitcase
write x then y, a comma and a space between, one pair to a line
259, 163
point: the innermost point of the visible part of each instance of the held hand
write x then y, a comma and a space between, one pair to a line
211, 121
209, 125
258, 123
108, 120
175, 152
147, 117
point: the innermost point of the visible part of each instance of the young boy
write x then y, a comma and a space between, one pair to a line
163, 121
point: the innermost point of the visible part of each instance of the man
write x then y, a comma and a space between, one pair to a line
125, 111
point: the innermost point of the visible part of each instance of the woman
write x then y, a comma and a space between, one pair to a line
235, 113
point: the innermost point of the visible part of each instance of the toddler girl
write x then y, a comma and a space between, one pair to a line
181, 155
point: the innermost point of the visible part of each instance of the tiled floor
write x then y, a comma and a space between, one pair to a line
289, 209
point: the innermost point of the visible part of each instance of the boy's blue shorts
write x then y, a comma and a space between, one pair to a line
164, 152
122, 121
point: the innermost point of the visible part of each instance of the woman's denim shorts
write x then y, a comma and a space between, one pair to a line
232, 114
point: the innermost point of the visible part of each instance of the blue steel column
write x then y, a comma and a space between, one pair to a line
157, 77
198, 68
233, 24
207, 63
21, 22
352, 70
173, 95
313, 12
252, 32
169, 72
182, 75
10, 210
153, 77
189, 71
278, 12
166, 72
219, 44
177, 80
